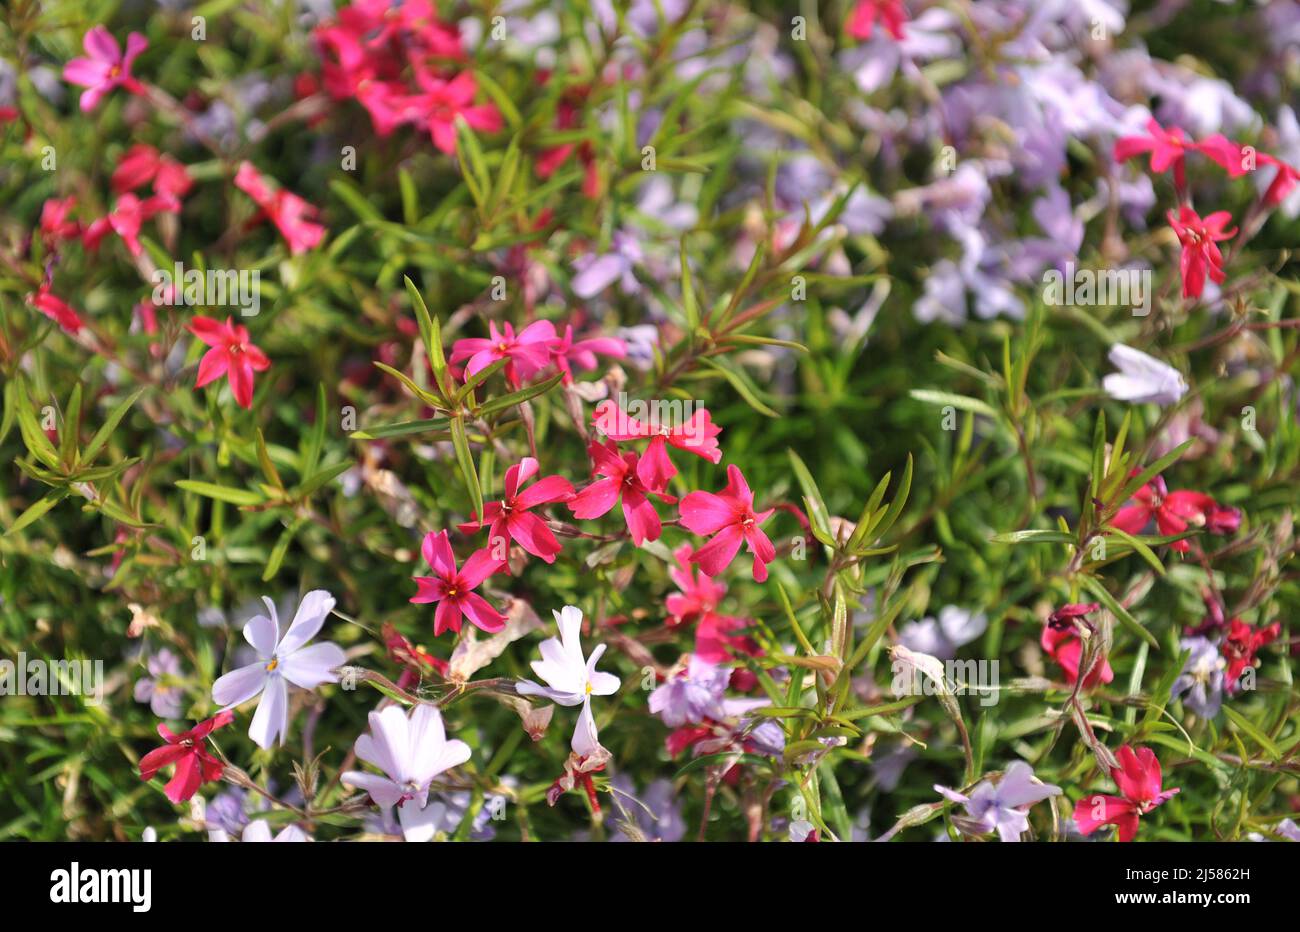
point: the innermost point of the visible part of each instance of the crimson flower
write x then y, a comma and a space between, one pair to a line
525, 354
1283, 182
106, 67
1240, 646
892, 15
698, 434
231, 355
194, 765
1200, 238
129, 214
714, 642
1139, 778
55, 308
699, 594
730, 517
1174, 512
452, 588
620, 479
292, 216
414, 659
1063, 645
55, 224
442, 101
511, 519
143, 165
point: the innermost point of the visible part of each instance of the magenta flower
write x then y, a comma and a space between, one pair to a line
292, 216
891, 13
443, 100
1166, 146
582, 353
231, 355
188, 750
106, 68
453, 589
512, 519
730, 517
55, 308
1200, 237
620, 479
696, 434
526, 354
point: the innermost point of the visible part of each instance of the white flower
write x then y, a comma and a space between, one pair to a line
281, 660
570, 679
411, 751
1142, 378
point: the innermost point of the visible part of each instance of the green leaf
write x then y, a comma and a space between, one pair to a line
466, 462
492, 406
115, 416
221, 493
740, 382
957, 401
321, 478
1094, 585
1253, 730
402, 428
1032, 537
37, 509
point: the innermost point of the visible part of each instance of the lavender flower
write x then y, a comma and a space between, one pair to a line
1002, 806
160, 688
941, 638
1202, 677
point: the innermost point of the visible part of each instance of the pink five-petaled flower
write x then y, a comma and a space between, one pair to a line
106, 68
1174, 512
697, 434
1200, 238
730, 517
699, 594
194, 765
231, 355
1167, 147
442, 101
292, 216
567, 353
511, 519
892, 15
525, 354
620, 475
1139, 778
453, 589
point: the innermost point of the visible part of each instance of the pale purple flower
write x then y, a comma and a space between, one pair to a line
1002, 806
598, 272
281, 660
260, 830
1201, 678
160, 688
942, 637
655, 812
693, 696
1142, 378
410, 750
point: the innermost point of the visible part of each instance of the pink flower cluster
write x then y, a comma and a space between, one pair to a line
403, 65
